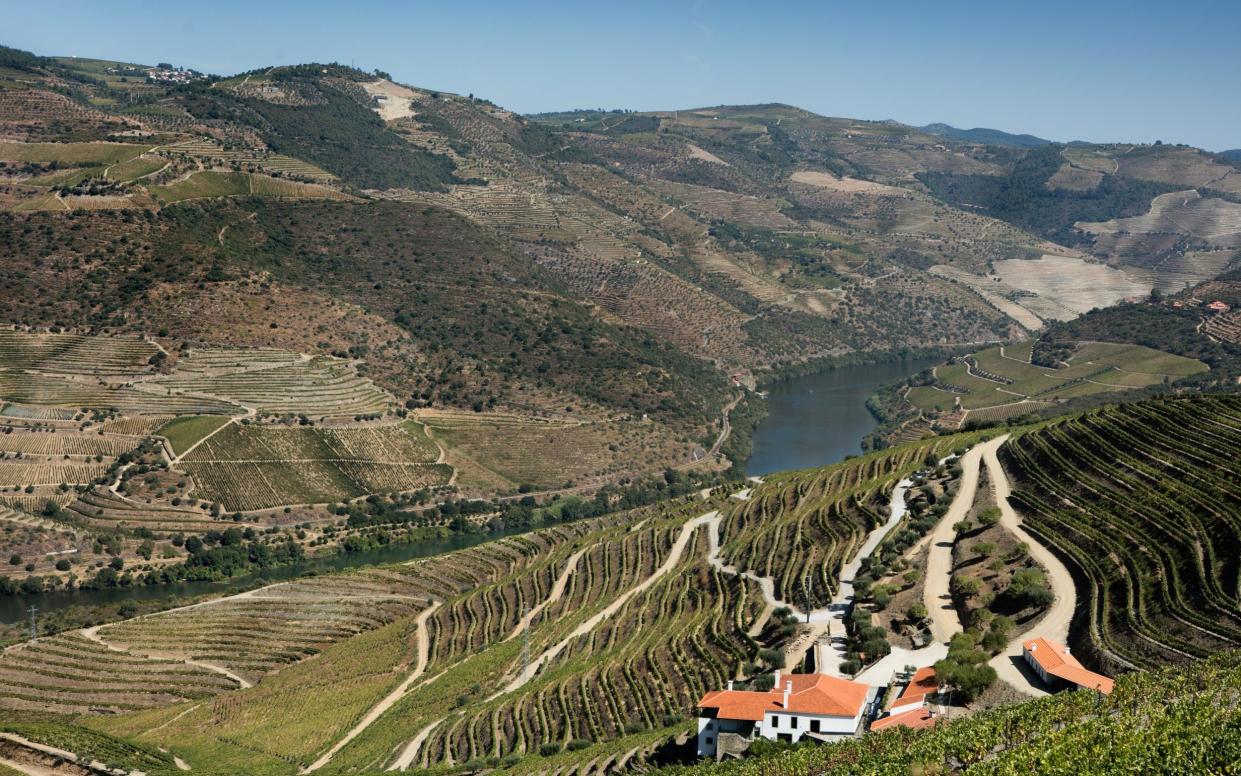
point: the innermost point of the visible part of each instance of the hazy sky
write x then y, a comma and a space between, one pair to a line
1126, 71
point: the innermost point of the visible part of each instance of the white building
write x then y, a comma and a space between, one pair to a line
816, 705
1056, 666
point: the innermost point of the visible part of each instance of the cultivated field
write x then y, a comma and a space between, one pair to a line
53, 378
74, 353
627, 623
1141, 499
257, 467
1175, 222
211, 183
505, 451
210, 152
999, 382
1070, 282
277, 383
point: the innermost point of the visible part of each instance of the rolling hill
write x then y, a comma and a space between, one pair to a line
986, 136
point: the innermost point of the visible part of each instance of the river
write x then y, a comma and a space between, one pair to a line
812, 421
820, 418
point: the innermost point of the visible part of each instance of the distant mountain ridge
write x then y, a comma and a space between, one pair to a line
985, 136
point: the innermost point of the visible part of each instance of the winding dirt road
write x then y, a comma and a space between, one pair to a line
389, 700
1054, 624
553, 596
938, 601
674, 557
411, 749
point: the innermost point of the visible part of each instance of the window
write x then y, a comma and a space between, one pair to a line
816, 725
710, 740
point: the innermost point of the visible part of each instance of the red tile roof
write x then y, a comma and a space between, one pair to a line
1054, 658
921, 684
916, 718
811, 694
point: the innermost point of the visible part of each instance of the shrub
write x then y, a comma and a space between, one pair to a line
1028, 588
578, 744
549, 749
882, 598
989, 516
963, 587
916, 612
772, 657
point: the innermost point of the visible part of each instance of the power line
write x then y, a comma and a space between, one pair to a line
525, 644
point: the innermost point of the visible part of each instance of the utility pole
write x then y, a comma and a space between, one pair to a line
525, 645
34, 627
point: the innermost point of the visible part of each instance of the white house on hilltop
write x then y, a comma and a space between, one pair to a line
816, 705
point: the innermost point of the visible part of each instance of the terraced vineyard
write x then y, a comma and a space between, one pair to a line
1141, 500
76, 354
1000, 382
627, 622
505, 451
256, 467
319, 387
799, 528
65, 392
52, 378
1173, 721
71, 674
581, 589
41, 472
101, 507
207, 150
64, 443
214, 183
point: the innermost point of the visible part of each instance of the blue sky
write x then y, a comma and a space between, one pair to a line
1124, 71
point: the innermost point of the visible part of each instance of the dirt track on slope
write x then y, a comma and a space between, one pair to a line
944, 620
409, 752
389, 700
556, 593
1054, 624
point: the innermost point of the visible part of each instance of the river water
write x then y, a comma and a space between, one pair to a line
821, 418
812, 421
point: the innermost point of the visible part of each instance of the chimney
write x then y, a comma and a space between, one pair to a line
730, 685
788, 689
1066, 649
776, 683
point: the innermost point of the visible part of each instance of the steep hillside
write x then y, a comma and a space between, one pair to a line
584, 265
1141, 501
599, 632
586, 645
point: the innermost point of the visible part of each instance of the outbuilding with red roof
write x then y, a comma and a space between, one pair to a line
1054, 664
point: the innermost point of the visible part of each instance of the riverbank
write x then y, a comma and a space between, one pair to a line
821, 418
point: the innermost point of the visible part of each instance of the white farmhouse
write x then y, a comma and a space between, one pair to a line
816, 705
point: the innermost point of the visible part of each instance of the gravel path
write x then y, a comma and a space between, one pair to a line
389, 700
1054, 624
944, 620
